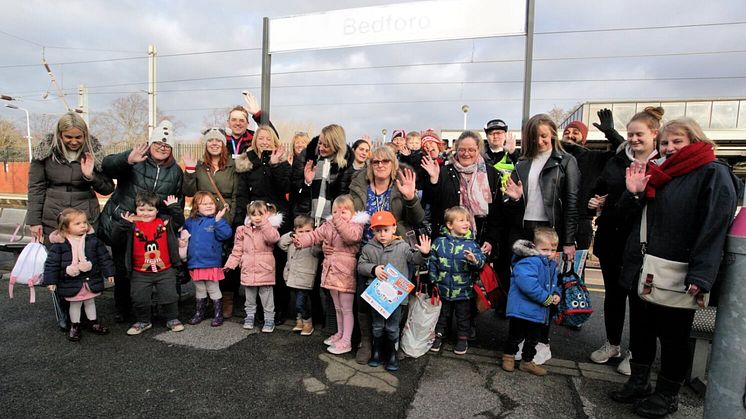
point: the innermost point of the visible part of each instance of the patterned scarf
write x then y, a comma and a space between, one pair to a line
476, 195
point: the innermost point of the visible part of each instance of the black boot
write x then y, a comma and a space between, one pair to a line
98, 328
665, 400
199, 312
636, 387
375, 356
393, 363
74, 335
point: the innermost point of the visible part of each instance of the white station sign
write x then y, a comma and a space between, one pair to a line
398, 23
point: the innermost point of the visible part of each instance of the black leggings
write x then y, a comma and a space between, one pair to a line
615, 300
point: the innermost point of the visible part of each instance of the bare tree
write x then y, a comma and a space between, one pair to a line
287, 129
216, 118
11, 141
41, 125
126, 121
558, 114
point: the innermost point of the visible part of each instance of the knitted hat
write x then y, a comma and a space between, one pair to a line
495, 124
580, 126
213, 134
382, 219
398, 133
163, 133
428, 136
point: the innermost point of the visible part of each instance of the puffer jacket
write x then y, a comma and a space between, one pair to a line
449, 269
226, 179
123, 233
55, 184
302, 265
260, 180
408, 214
532, 284
164, 179
252, 251
340, 242
60, 256
206, 237
559, 182
398, 253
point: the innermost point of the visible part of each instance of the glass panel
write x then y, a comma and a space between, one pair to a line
700, 112
642, 105
623, 113
724, 114
593, 114
742, 115
674, 110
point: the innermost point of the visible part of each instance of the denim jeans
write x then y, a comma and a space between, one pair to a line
303, 303
390, 325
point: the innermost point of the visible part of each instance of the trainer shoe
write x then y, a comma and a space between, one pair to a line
331, 340
606, 352
437, 343
338, 348
269, 326
138, 328
175, 325
543, 353
248, 322
461, 346
623, 367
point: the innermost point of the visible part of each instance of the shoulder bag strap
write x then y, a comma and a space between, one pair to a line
644, 230
212, 181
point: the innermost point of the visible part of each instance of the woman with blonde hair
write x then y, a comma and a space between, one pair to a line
297, 145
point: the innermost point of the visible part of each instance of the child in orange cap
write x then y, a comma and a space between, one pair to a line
386, 247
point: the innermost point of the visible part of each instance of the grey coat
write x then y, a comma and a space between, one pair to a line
55, 184
302, 264
398, 253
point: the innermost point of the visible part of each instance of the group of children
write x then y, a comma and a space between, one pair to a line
78, 263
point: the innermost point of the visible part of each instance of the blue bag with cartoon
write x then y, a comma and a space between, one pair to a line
574, 307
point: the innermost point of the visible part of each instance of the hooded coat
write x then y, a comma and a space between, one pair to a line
302, 265
532, 284
449, 269
340, 242
206, 237
164, 179
55, 184
60, 256
398, 253
252, 251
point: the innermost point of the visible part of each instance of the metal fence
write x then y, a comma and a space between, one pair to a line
20, 153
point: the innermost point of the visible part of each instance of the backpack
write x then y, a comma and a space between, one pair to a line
487, 289
574, 307
29, 269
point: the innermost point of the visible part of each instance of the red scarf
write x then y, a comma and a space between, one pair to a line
684, 161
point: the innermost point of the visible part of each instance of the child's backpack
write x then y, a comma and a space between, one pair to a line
574, 307
488, 292
29, 269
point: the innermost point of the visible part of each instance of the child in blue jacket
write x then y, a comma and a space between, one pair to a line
533, 288
207, 230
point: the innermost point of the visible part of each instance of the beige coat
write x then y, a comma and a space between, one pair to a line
302, 264
252, 250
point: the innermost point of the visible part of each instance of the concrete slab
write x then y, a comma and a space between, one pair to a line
204, 336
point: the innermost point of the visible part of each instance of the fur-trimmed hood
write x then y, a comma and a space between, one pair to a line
360, 217
246, 161
275, 220
525, 248
45, 148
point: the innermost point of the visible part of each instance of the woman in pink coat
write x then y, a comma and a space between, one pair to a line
252, 250
340, 237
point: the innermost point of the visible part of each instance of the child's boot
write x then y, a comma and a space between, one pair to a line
199, 313
532, 368
74, 335
307, 329
227, 304
218, 318
98, 328
393, 363
364, 349
298, 324
508, 363
375, 355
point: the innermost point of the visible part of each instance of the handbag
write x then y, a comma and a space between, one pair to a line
29, 269
662, 281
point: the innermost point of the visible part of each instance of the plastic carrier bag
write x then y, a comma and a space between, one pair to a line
419, 331
29, 269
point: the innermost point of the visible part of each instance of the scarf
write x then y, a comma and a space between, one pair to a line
682, 162
321, 206
79, 263
476, 195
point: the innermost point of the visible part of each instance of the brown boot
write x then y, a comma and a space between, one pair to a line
227, 304
298, 325
366, 337
508, 363
307, 327
532, 368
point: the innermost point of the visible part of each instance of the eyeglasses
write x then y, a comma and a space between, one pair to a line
467, 151
162, 146
380, 162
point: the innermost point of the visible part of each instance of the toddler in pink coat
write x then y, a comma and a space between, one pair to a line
252, 250
340, 238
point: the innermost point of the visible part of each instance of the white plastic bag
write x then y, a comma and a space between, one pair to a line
419, 332
29, 269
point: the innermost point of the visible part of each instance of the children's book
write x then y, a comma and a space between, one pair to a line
386, 296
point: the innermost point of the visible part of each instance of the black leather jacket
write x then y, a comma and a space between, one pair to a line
559, 183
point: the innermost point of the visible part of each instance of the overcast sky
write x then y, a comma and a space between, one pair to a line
426, 96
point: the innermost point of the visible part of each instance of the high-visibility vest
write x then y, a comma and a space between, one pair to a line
505, 166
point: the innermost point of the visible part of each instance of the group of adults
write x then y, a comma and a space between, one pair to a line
552, 181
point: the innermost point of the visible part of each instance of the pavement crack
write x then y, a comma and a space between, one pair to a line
580, 403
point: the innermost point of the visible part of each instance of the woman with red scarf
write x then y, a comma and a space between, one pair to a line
691, 199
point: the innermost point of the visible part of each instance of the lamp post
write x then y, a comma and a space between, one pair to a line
384, 132
465, 110
28, 127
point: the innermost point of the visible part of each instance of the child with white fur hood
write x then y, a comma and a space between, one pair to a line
340, 237
252, 250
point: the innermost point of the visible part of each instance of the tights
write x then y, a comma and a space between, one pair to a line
345, 320
90, 310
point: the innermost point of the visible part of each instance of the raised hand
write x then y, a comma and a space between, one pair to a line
510, 142
170, 200
138, 154
189, 161
514, 190
606, 119
309, 172
432, 168
425, 244
635, 178
221, 213
252, 106
277, 154
406, 183
128, 216
86, 165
